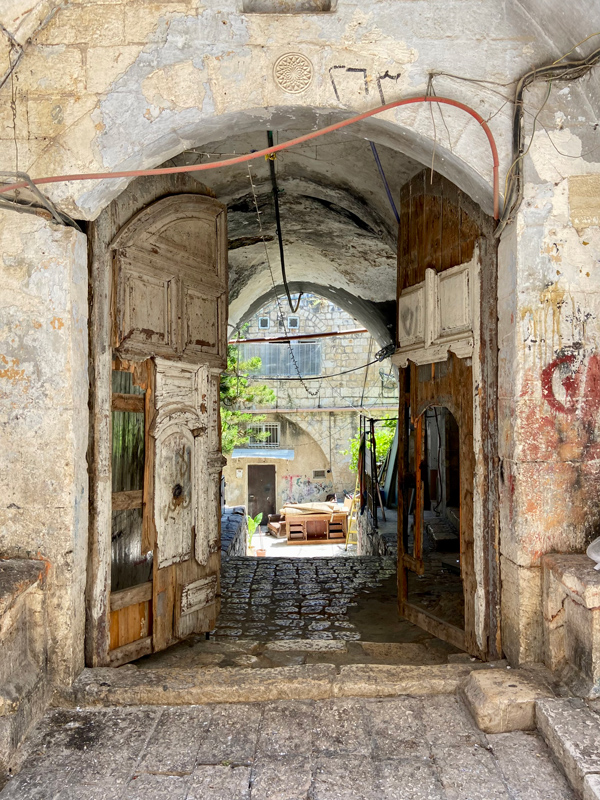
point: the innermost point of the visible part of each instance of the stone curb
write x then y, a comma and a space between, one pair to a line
131, 686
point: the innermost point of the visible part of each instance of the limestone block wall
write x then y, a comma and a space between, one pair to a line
549, 380
44, 418
361, 388
24, 686
318, 441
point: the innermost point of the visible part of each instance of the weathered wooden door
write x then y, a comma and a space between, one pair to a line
169, 348
436, 578
261, 490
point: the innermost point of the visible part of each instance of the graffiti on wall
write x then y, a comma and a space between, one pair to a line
299, 489
571, 383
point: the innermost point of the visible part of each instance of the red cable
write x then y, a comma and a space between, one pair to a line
284, 146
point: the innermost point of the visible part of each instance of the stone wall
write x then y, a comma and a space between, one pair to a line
376, 385
24, 686
234, 531
44, 418
549, 383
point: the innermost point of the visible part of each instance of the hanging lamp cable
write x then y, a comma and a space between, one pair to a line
271, 159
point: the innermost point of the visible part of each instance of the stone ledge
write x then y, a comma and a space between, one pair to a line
17, 575
130, 685
577, 575
503, 700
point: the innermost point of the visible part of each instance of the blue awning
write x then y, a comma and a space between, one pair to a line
262, 452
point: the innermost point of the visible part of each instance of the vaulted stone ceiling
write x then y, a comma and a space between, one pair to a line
339, 228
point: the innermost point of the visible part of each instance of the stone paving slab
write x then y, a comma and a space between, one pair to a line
572, 732
408, 748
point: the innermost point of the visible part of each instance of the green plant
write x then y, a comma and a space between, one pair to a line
253, 523
384, 436
238, 394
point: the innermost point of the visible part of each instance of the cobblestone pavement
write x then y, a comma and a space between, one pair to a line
300, 598
401, 748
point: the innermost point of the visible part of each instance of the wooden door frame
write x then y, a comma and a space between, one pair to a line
459, 637
486, 469
135, 198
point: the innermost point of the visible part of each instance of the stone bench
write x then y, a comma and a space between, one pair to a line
24, 686
571, 608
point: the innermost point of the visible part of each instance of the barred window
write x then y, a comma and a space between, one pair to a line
277, 359
264, 434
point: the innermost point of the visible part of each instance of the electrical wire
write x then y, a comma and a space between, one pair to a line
279, 147
555, 71
271, 160
275, 293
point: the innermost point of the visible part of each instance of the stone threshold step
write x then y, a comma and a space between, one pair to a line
572, 732
127, 686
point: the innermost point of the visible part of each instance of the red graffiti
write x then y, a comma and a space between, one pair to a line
584, 394
570, 382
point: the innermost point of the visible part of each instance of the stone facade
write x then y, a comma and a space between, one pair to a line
318, 438
131, 85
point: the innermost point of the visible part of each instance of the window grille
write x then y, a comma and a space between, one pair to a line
319, 474
264, 323
264, 434
276, 359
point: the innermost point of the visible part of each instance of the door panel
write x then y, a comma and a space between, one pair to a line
169, 320
261, 490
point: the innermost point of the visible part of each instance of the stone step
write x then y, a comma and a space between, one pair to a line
196, 651
128, 685
572, 732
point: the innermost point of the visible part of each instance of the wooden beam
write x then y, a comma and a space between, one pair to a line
434, 625
131, 596
129, 652
127, 402
123, 501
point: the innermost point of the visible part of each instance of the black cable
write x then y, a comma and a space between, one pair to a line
333, 375
271, 161
555, 71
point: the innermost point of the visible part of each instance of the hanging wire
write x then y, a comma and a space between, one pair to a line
275, 292
271, 160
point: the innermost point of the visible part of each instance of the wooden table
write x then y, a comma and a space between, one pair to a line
316, 528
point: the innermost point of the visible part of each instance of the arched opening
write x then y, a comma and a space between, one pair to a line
340, 201
434, 516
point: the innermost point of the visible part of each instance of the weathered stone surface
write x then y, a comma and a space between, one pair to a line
307, 645
161, 787
502, 700
344, 778
381, 680
572, 620
447, 722
232, 735
341, 726
572, 732
528, 767
591, 787
287, 778
130, 686
278, 737
396, 728
173, 745
343, 749
219, 783
522, 632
